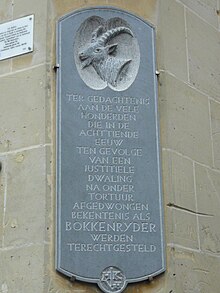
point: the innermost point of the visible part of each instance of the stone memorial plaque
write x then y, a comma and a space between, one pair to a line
16, 37
109, 206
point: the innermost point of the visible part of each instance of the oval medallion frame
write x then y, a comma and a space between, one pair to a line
106, 53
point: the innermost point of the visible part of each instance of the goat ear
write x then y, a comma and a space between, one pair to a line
111, 48
97, 32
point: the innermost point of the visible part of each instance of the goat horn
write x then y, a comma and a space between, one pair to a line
112, 33
97, 32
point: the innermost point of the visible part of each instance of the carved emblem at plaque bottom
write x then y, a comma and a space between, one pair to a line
112, 280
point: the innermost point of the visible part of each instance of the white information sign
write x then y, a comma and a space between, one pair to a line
16, 37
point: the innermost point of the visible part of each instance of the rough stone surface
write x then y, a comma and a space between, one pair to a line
39, 9
184, 230
5, 66
178, 181
209, 234
25, 210
49, 198
218, 13
196, 272
206, 9
58, 284
22, 109
215, 121
208, 198
203, 46
185, 124
3, 170
171, 42
6, 9
25, 270
145, 8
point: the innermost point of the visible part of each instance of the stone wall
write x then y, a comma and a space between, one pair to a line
188, 46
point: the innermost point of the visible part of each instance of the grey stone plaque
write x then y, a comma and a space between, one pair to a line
109, 206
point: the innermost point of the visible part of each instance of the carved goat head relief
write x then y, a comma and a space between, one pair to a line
109, 59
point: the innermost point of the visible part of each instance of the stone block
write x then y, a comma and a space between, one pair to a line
22, 270
169, 225
207, 190
26, 196
178, 181
196, 272
208, 199
39, 9
209, 234
6, 10
218, 13
171, 45
183, 229
49, 199
59, 284
147, 9
206, 9
204, 58
5, 66
22, 109
154, 286
184, 119
3, 170
215, 121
